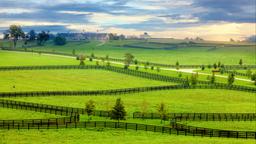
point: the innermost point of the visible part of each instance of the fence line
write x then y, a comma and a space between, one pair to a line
122, 91
139, 62
198, 116
177, 129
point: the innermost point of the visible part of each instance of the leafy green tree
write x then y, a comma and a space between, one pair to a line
15, 32
137, 67
193, 79
202, 67
253, 77
82, 59
240, 62
212, 79
162, 111
144, 108
249, 73
135, 61
60, 40
42, 37
89, 108
219, 64
128, 58
231, 78
177, 65
118, 112
180, 74
31, 35
187, 81
152, 67
215, 66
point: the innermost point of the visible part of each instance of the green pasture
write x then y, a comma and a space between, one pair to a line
192, 100
45, 80
13, 114
106, 136
227, 125
159, 52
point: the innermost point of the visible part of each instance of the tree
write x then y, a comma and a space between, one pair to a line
177, 65
158, 69
212, 79
59, 40
144, 108
253, 77
215, 66
162, 111
193, 79
249, 73
152, 67
81, 58
42, 37
240, 62
15, 32
180, 74
135, 61
219, 64
203, 67
118, 112
128, 58
31, 35
137, 67
231, 78
89, 108
6, 35
186, 83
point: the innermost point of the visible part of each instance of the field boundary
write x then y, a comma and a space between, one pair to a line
139, 62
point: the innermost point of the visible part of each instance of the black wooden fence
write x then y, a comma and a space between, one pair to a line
177, 129
57, 110
123, 91
199, 116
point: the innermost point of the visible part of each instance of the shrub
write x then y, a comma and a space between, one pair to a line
59, 40
137, 67
231, 78
90, 107
152, 67
118, 112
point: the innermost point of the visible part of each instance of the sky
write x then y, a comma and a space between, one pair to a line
210, 19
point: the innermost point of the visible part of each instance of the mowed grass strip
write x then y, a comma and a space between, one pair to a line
13, 114
66, 80
107, 136
190, 101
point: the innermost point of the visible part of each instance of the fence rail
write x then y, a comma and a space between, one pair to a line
177, 129
139, 62
199, 116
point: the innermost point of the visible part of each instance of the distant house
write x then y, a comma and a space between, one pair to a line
84, 36
145, 36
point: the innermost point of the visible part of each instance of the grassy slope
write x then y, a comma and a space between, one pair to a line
107, 136
21, 59
176, 100
11, 114
185, 55
43, 80
229, 125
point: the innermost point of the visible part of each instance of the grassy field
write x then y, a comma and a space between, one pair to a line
108, 136
176, 100
13, 114
43, 80
227, 125
161, 52
192, 100
24, 59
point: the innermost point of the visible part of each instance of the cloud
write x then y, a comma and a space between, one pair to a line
154, 16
